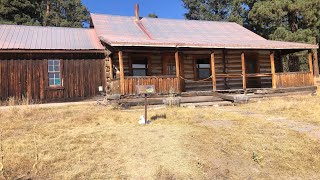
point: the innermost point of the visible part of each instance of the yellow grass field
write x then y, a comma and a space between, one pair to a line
268, 139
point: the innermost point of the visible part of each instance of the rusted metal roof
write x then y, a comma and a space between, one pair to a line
17, 37
125, 31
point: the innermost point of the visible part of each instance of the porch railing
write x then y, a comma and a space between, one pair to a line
163, 84
294, 79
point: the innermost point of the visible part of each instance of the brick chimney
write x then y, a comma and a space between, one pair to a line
136, 12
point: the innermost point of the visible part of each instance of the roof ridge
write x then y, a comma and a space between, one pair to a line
171, 19
143, 28
18, 25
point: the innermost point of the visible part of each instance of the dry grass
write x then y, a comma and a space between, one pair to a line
300, 108
94, 142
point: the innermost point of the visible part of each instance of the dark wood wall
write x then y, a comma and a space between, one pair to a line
26, 75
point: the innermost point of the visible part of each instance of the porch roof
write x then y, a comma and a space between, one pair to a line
157, 32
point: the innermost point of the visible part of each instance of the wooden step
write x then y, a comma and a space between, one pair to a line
196, 93
205, 104
198, 83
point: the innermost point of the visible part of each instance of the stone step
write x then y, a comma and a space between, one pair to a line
205, 104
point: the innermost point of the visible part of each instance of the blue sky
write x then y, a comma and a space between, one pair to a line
172, 9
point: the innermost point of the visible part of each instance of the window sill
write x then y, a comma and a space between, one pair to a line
55, 88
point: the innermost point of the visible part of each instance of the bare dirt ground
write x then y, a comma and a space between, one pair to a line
275, 138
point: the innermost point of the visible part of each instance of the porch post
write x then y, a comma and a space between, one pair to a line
111, 68
273, 70
213, 73
243, 65
176, 56
315, 63
121, 72
310, 61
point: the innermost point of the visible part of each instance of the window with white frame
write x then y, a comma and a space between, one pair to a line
54, 73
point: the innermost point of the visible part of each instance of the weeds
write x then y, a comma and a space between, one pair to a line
1, 155
256, 158
13, 101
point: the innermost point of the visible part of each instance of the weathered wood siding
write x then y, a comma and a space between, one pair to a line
163, 84
294, 79
26, 75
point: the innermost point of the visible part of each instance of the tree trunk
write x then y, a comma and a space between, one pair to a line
46, 19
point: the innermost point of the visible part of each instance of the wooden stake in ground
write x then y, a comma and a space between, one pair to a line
145, 108
145, 90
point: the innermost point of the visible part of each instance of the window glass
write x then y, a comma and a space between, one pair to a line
204, 73
54, 73
204, 65
203, 68
139, 72
171, 67
139, 67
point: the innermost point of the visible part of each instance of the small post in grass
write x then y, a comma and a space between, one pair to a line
146, 89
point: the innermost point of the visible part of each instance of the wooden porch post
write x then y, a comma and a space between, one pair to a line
213, 73
273, 70
176, 56
315, 63
111, 68
243, 65
121, 72
310, 61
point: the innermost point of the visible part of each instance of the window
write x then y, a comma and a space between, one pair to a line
171, 66
140, 67
54, 73
203, 68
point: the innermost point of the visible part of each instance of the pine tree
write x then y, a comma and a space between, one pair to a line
66, 13
152, 15
212, 10
287, 20
20, 12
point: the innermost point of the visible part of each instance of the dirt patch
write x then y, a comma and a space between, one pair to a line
301, 127
217, 123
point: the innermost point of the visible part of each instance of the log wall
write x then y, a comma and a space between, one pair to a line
26, 75
227, 66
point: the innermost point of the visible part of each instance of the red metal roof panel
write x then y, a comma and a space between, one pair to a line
125, 31
48, 38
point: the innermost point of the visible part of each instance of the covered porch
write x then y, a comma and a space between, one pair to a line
179, 70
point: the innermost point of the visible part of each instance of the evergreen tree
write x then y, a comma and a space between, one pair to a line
66, 13
152, 15
287, 20
211, 10
20, 12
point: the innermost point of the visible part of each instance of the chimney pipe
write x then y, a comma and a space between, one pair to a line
136, 11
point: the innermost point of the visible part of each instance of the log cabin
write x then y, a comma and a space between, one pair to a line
117, 53
179, 56
50, 63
